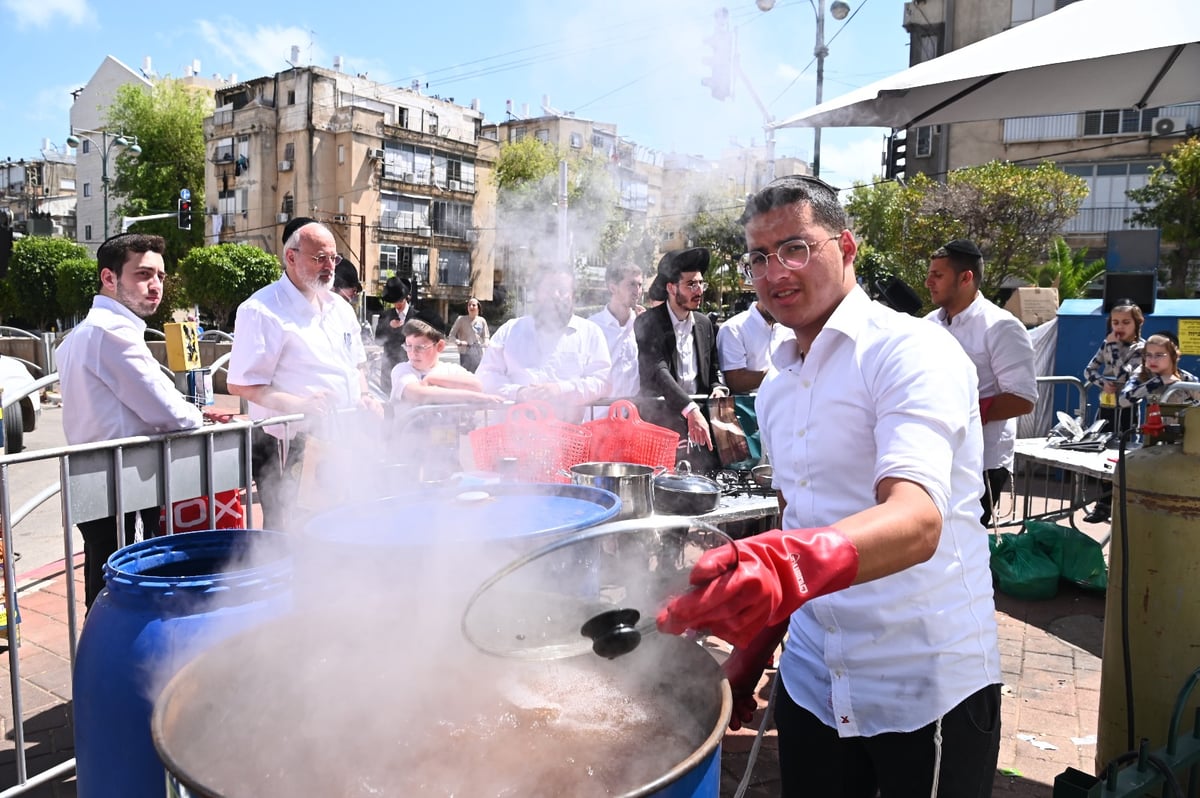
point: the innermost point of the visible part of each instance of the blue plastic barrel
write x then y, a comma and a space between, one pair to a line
166, 600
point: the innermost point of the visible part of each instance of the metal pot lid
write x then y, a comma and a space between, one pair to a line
598, 590
684, 481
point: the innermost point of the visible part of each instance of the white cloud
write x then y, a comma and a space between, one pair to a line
41, 13
262, 50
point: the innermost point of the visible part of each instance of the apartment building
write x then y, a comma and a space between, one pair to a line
40, 192
402, 179
1112, 149
96, 156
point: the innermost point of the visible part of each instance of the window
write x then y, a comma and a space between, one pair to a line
1114, 121
87, 232
87, 189
402, 116
341, 153
516, 134
924, 147
224, 150
67, 184
289, 151
289, 204
1025, 10
577, 141
542, 135
291, 97
86, 148
433, 124
454, 267
405, 261
598, 142
450, 219
405, 214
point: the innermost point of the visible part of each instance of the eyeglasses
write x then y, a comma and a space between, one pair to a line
332, 260
418, 347
694, 285
793, 255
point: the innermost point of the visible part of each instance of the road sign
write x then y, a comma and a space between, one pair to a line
185, 193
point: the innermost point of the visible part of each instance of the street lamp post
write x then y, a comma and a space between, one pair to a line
106, 147
839, 10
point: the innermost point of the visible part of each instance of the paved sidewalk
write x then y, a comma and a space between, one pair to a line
1050, 656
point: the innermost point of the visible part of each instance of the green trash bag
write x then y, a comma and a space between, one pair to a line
1079, 558
1021, 568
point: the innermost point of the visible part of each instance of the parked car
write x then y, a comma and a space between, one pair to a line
22, 416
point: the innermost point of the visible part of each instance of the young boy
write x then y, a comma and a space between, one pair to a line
426, 380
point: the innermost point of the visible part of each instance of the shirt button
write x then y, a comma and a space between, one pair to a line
804, 483
830, 629
807, 383
838, 674
800, 433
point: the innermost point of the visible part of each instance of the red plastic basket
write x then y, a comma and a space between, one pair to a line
541, 448
624, 438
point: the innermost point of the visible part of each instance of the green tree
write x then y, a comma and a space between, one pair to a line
1068, 271
1012, 212
33, 276
1170, 201
168, 120
714, 224
221, 277
78, 282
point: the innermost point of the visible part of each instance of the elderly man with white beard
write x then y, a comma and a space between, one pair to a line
296, 349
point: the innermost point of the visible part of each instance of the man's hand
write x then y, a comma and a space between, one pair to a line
767, 578
718, 391
371, 405
544, 391
698, 432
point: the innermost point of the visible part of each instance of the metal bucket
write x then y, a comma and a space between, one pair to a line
633, 483
368, 733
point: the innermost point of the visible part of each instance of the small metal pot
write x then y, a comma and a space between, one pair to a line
685, 493
762, 475
630, 481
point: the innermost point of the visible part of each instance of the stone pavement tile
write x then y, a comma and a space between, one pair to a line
1034, 720
1063, 663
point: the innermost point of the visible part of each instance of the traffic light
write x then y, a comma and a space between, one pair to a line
897, 147
720, 62
185, 214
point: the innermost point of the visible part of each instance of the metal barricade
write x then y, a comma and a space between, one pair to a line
99, 480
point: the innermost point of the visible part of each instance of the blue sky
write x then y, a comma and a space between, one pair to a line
637, 63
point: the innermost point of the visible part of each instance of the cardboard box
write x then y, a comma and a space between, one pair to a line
1033, 305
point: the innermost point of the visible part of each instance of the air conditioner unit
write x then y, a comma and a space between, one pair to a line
285, 166
1169, 125
424, 231
433, 129
455, 185
409, 177
377, 154
283, 218
339, 218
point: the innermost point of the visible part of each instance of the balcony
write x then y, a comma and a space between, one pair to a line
1102, 220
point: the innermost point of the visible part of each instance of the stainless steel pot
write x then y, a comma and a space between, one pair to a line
632, 483
685, 493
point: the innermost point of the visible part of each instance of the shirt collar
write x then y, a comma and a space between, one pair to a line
113, 306
298, 302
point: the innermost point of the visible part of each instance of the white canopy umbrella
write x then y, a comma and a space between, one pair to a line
1092, 54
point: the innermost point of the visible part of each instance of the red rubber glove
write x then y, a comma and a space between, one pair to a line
772, 576
984, 406
744, 669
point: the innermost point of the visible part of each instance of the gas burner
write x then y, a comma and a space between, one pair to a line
738, 482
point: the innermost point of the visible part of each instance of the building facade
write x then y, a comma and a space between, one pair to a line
402, 179
1112, 149
40, 192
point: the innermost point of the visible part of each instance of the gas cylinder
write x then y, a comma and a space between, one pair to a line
1162, 534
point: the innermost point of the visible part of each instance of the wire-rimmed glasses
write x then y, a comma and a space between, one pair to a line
793, 254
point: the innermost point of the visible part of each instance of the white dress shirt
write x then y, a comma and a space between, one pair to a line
281, 340
685, 352
999, 346
622, 348
881, 394
746, 340
112, 387
576, 357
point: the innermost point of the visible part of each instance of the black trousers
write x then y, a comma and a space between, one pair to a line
995, 480
100, 542
276, 481
813, 760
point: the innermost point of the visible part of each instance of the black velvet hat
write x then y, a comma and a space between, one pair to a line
683, 260
345, 275
294, 225
396, 288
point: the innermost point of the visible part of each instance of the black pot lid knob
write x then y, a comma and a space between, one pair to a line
614, 632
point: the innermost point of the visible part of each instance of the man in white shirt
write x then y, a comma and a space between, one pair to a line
744, 346
551, 354
616, 320
113, 387
890, 681
296, 349
998, 345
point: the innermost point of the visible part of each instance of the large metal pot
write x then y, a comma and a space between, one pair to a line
444, 727
631, 482
685, 493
